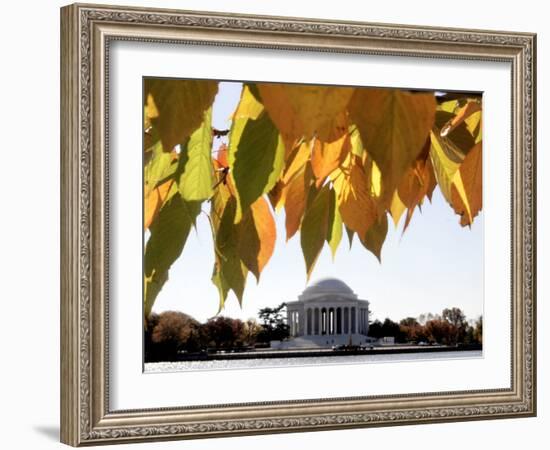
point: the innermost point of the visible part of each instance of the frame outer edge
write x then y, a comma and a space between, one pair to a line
70, 299
82, 392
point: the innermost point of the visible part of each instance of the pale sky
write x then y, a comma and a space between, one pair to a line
435, 264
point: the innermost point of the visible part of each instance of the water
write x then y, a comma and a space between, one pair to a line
180, 366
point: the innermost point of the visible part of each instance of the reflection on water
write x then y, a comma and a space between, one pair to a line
180, 366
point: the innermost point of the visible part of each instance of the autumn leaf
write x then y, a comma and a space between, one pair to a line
229, 271
160, 166
446, 160
375, 236
397, 208
446, 164
458, 141
328, 155
153, 202
304, 111
176, 107
296, 200
417, 181
197, 178
277, 195
256, 156
296, 160
461, 115
353, 196
335, 225
315, 227
471, 175
394, 126
168, 236
257, 236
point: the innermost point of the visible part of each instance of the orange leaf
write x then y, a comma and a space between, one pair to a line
327, 156
257, 236
296, 161
154, 201
356, 205
296, 200
221, 157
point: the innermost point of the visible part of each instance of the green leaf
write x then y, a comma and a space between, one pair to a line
315, 227
176, 107
152, 287
334, 231
169, 233
375, 237
158, 168
256, 159
197, 179
229, 271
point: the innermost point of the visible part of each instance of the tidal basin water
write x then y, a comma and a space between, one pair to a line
261, 363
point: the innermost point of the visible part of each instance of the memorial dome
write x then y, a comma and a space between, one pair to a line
327, 286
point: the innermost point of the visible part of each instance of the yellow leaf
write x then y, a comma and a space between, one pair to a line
394, 126
446, 161
296, 161
249, 107
467, 190
397, 208
462, 114
176, 107
356, 205
304, 110
376, 180
327, 156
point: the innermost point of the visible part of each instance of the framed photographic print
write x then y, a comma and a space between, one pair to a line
278, 225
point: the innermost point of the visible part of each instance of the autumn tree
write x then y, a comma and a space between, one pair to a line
411, 330
223, 332
478, 330
440, 331
333, 158
169, 333
250, 332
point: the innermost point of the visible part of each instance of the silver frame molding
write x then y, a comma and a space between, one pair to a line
86, 31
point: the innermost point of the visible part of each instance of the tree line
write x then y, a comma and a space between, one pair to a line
449, 328
173, 332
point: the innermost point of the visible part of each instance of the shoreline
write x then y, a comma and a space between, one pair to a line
304, 353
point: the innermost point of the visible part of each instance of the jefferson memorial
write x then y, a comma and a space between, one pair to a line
327, 313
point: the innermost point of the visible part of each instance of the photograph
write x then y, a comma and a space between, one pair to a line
304, 224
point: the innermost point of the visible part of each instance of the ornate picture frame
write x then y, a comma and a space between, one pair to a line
87, 31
